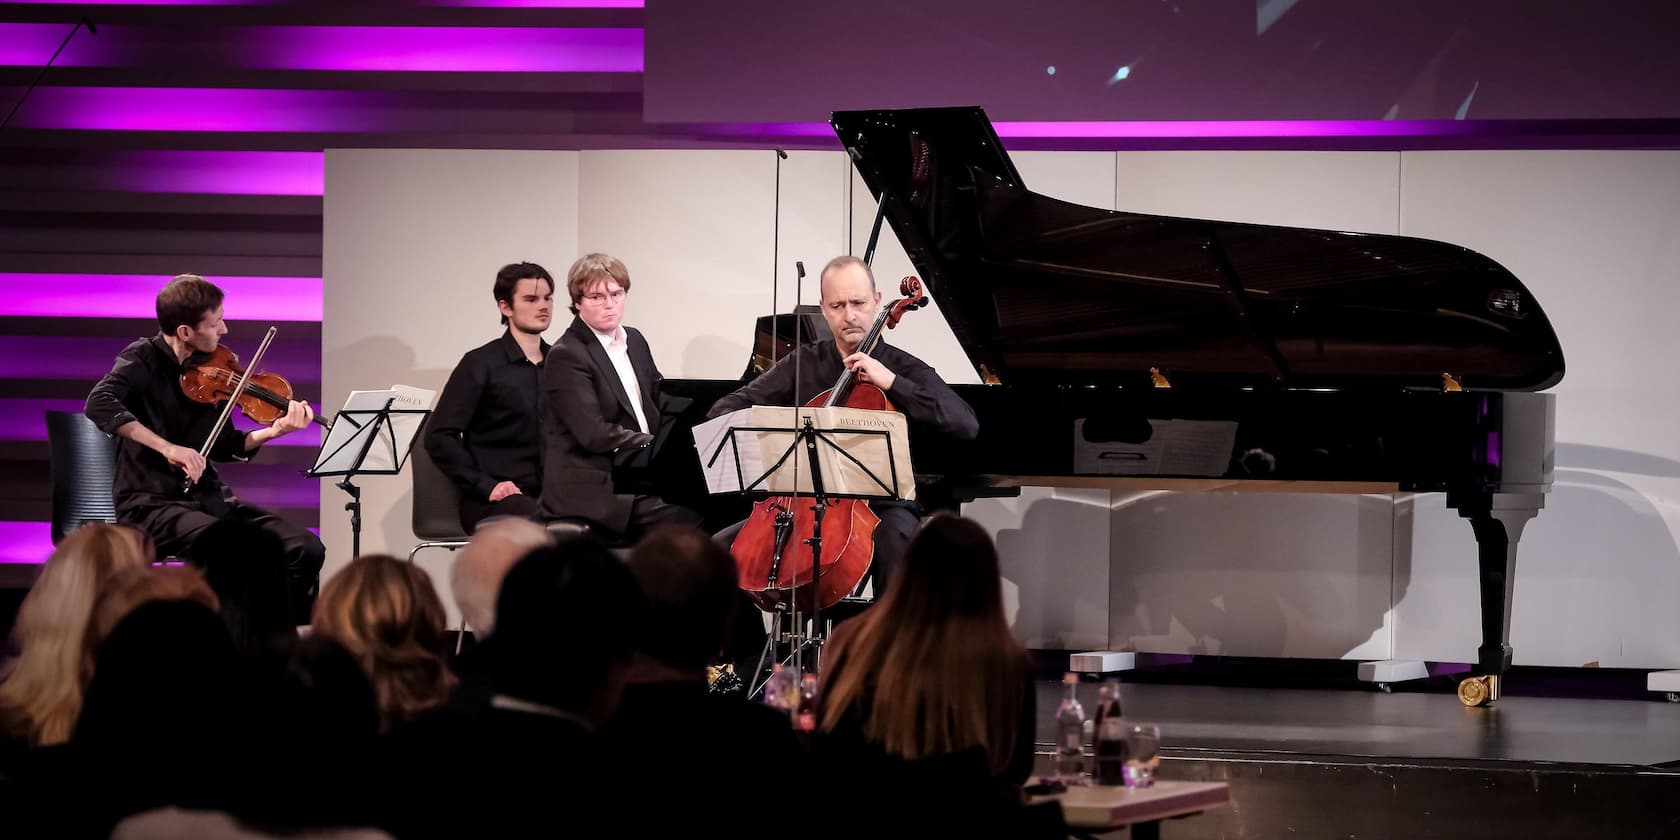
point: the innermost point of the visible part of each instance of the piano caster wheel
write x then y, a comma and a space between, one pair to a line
1478, 691
1385, 688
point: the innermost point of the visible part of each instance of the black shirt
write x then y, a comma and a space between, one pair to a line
917, 391
487, 425
145, 385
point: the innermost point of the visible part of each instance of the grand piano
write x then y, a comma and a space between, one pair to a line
1132, 351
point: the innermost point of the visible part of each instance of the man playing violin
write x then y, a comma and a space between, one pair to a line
850, 303
486, 429
159, 430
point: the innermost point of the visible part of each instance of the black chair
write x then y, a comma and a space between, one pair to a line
437, 505
83, 460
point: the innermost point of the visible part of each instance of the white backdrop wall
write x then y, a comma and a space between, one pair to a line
1591, 233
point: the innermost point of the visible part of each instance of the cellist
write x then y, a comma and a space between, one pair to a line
159, 429
850, 302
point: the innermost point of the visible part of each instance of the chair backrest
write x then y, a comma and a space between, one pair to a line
437, 502
83, 460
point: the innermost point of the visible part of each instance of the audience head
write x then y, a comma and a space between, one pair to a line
565, 621
932, 668
691, 584
157, 725
133, 588
246, 567
41, 690
388, 615
310, 730
484, 561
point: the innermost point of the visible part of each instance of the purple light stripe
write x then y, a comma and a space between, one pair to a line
25, 542
30, 44
204, 109
135, 296
87, 358
24, 419
146, 3
463, 49
482, 49
1157, 129
31, 542
218, 173
537, 4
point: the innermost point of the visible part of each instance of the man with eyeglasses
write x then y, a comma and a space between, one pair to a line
601, 388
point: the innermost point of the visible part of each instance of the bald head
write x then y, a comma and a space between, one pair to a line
484, 561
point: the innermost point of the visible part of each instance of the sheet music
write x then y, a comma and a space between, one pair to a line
719, 452
353, 426
758, 450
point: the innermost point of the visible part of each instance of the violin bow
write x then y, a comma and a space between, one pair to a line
227, 410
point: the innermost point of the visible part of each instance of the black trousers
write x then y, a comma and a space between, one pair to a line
648, 513
474, 511
174, 529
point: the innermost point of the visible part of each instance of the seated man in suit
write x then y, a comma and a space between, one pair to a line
487, 425
601, 388
849, 305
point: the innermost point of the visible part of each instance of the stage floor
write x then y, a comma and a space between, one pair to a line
1369, 724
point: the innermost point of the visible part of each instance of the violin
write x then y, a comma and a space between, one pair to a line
848, 525
265, 398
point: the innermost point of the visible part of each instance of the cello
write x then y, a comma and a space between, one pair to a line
847, 535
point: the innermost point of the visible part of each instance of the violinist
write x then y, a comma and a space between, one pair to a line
159, 430
849, 305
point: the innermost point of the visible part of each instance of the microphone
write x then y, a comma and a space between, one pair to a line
88, 22
799, 265
780, 153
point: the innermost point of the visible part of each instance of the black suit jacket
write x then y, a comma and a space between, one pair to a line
593, 423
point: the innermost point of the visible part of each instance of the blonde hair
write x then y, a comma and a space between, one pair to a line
480, 565
591, 269
128, 589
388, 615
932, 668
41, 690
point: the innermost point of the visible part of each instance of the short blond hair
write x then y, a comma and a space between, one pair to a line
476, 576
591, 269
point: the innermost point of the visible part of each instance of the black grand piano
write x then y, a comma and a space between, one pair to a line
1132, 351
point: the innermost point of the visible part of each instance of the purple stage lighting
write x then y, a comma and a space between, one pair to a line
25, 542
476, 49
212, 172
135, 296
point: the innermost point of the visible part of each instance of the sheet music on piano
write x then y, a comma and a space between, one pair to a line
1174, 447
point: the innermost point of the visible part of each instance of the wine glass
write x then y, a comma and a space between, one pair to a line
1143, 754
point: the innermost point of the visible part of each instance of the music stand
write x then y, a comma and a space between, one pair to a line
355, 446
827, 436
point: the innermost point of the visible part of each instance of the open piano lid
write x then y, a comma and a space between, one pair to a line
1041, 291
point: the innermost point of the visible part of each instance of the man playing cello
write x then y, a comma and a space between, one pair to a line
849, 305
159, 429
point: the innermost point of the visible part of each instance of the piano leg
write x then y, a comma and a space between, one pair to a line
1497, 520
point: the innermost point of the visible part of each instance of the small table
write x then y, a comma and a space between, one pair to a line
1096, 808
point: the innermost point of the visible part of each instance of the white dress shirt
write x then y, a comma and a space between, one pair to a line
617, 346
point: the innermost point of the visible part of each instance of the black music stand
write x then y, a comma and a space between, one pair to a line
868, 486
346, 454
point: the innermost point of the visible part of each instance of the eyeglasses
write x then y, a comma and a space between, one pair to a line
598, 298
